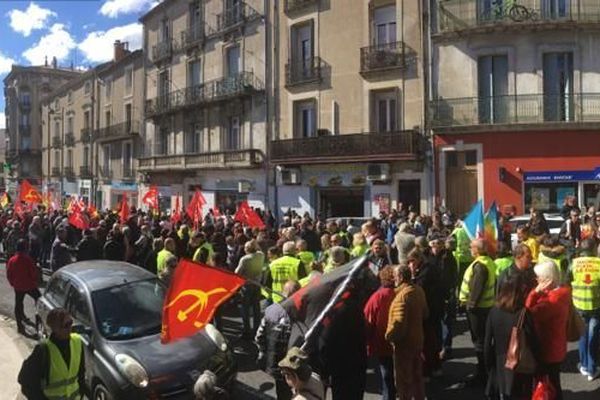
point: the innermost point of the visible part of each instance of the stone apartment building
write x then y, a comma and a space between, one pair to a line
516, 102
25, 88
90, 131
349, 99
206, 109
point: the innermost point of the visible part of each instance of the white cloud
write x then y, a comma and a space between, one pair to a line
98, 45
5, 63
57, 43
114, 8
34, 17
2, 121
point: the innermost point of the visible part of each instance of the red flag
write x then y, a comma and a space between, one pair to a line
19, 209
124, 211
194, 209
176, 215
195, 293
92, 211
28, 194
151, 198
79, 220
248, 216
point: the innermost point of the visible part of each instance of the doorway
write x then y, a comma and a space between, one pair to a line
461, 181
409, 194
341, 202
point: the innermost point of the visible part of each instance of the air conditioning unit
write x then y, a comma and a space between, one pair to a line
244, 187
378, 172
290, 176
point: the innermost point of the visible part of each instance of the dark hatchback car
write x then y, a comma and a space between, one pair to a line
117, 309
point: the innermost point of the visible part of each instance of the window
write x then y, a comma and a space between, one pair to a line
78, 306
492, 76
107, 118
163, 141
56, 159
127, 158
106, 158
128, 117
302, 48
194, 77
233, 140
70, 158
108, 90
87, 87
86, 120
128, 80
26, 98
163, 84
384, 25
56, 128
57, 291
196, 17
548, 197
233, 61
195, 139
70, 125
86, 156
305, 119
24, 119
25, 143
558, 87
164, 31
555, 9
385, 108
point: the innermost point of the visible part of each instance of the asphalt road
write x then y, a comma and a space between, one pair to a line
255, 384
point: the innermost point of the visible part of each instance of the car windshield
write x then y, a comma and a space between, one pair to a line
130, 310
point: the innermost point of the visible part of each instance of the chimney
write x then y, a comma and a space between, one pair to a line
120, 51
54, 63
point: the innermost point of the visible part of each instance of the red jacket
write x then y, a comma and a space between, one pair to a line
377, 311
550, 311
22, 273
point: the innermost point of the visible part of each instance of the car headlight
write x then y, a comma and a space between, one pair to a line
132, 370
214, 335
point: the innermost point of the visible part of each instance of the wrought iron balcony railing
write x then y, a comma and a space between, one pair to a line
69, 139
303, 71
382, 57
294, 6
56, 142
461, 15
363, 146
55, 172
105, 172
69, 173
516, 109
193, 36
235, 16
208, 160
118, 131
163, 50
85, 172
86, 135
243, 84
128, 173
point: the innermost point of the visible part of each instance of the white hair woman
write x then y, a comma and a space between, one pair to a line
549, 304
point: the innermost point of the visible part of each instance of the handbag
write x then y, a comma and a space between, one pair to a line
519, 357
575, 325
544, 390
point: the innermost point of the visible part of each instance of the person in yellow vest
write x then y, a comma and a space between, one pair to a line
163, 255
586, 299
477, 295
316, 270
337, 258
359, 245
552, 250
56, 367
204, 253
283, 269
504, 258
307, 257
530, 241
521, 266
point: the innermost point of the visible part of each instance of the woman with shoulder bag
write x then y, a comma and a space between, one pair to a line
509, 314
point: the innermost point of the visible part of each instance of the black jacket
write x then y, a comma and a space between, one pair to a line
527, 277
89, 249
428, 277
114, 249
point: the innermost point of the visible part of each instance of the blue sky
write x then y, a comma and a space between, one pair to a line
77, 31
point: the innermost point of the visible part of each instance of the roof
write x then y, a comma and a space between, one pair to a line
39, 69
64, 88
160, 6
131, 56
102, 274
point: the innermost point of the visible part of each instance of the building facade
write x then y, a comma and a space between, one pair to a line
349, 102
515, 106
25, 88
205, 104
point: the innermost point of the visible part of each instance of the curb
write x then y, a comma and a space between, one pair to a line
14, 348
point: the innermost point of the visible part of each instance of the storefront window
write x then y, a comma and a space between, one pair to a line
591, 195
229, 200
548, 197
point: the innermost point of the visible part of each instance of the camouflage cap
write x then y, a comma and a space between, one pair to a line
295, 359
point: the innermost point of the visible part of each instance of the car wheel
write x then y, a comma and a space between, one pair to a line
101, 393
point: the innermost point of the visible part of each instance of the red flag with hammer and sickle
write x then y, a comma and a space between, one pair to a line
151, 198
28, 194
196, 292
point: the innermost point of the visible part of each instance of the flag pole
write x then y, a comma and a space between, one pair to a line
332, 302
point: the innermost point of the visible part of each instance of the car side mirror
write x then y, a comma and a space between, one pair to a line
82, 330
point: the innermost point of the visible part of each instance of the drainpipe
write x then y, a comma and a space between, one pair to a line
274, 135
267, 81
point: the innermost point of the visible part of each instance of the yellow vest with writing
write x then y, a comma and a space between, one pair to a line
586, 283
283, 269
487, 298
63, 381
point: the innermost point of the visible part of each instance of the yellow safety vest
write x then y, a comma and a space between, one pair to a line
586, 283
307, 258
208, 247
161, 260
534, 247
358, 251
62, 379
502, 264
283, 269
487, 298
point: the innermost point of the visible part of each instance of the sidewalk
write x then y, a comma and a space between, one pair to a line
14, 350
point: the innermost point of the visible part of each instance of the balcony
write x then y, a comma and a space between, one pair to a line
234, 17
69, 173
477, 16
55, 172
218, 160
85, 172
163, 51
86, 135
522, 109
25, 130
194, 36
383, 57
296, 6
69, 139
303, 72
56, 142
105, 173
243, 84
367, 146
123, 130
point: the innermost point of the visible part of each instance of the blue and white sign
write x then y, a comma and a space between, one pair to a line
562, 176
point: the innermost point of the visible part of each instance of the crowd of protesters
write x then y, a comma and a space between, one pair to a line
429, 270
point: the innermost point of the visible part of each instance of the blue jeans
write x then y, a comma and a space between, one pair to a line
588, 344
386, 368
